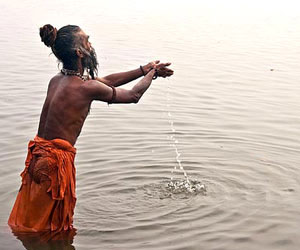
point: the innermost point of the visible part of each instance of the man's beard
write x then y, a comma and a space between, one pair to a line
90, 62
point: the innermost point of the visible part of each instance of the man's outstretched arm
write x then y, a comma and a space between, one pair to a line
122, 78
101, 92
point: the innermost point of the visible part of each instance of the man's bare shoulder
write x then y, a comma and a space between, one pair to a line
97, 90
54, 81
56, 78
94, 84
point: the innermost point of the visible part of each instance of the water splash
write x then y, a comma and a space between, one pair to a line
174, 141
180, 186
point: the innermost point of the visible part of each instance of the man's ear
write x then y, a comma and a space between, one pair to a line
79, 53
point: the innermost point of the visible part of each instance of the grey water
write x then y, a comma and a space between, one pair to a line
208, 159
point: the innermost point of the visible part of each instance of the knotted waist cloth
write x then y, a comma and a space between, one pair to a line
46, 199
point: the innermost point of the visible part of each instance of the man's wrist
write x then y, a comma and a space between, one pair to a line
147, 68
142, 70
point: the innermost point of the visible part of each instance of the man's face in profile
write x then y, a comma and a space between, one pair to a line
89, 60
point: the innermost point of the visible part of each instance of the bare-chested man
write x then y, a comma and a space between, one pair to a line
46, 199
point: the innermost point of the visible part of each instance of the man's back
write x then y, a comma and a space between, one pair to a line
65, 109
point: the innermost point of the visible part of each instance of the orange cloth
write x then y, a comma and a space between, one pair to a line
46, 199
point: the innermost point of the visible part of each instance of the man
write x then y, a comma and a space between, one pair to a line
46, 199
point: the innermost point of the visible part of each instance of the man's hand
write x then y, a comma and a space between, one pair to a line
149, 66
161, 68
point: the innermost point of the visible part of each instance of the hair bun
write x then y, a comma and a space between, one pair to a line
48, 34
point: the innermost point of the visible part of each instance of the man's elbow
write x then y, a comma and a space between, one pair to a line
135, 97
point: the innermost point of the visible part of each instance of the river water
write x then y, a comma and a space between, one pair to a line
229, 116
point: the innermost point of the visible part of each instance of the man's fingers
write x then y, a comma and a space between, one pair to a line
162, 69
164, 72
163, 65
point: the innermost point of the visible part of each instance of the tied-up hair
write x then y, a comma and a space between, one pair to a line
64, 44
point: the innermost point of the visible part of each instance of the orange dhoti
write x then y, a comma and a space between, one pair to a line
46, 199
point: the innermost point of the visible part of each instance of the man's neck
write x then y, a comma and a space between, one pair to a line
78, 68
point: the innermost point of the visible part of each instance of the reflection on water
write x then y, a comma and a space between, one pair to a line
47, 240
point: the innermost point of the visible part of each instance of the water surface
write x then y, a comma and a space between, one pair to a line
230, 114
